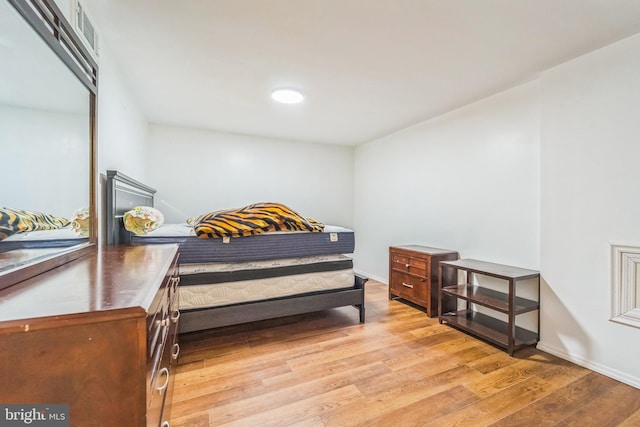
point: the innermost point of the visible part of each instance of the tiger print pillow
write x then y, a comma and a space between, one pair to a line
14, 221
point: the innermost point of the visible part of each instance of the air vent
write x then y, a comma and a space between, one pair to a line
83, 25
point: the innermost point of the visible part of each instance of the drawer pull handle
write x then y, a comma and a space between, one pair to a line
406, 265
164, 386
176, 351
175, 316
165, 424
407, 285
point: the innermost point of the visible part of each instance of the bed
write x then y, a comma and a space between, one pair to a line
227, 281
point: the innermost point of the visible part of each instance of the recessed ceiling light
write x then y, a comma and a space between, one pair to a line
287, 96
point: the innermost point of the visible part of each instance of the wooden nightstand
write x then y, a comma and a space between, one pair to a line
413, 275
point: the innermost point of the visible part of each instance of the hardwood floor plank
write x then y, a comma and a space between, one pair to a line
200, 419
494, 362
429, 353
223, 382
500, 379
335, 367
277, 397
440, 404
401, 392
556, 406
632, 421
490, 409
357, 342
609, 409
295, 412
309, 422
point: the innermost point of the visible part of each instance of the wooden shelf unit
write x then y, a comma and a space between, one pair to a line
503, 334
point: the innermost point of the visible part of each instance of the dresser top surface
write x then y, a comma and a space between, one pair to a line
113, 278
423, 249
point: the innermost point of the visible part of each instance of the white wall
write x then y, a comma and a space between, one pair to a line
52, 146
197, 171
466, 181
122, 127
590, 159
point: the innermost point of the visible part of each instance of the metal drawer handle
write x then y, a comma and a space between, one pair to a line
406, 265
175, 316
163, 387
165, 424
176, 351
407, 285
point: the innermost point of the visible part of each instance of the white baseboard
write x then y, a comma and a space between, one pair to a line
596, 367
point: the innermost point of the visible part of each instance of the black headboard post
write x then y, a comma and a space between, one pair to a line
123, 194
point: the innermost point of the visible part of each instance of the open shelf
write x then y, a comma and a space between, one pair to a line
489, 328
495, 300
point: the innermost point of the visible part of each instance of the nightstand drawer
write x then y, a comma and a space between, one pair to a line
411, 265
409, 287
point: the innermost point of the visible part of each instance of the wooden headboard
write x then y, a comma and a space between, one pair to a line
123, 194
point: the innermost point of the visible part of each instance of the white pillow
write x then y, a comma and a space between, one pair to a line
142, 219
80, 222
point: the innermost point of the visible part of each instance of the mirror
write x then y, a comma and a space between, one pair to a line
47, 111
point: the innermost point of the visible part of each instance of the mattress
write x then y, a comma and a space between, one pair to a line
232, 272
267, 246
227, 293
60, 238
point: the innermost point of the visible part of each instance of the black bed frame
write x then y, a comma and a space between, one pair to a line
124, 193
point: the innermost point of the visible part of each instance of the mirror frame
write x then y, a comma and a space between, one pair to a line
50, 24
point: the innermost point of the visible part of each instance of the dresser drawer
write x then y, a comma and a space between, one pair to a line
163, 349
163, 310
409, 287
408, 264
157, 321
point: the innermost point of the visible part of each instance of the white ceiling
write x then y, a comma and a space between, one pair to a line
367, 67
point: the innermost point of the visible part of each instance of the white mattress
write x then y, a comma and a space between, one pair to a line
215, 267
60, 233
203, 296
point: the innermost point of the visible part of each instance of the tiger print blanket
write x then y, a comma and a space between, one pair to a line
252, 219
14, 221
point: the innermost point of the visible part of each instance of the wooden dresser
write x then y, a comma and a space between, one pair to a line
98, 334
413, 274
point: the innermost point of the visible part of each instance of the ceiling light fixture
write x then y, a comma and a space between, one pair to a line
287, 96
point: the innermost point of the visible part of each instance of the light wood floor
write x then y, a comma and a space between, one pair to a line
400, 369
